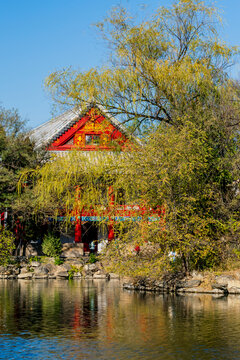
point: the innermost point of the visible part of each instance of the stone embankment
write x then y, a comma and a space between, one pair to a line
70, 269
196, 283
206, 283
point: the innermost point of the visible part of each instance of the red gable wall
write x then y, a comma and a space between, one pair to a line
92, 131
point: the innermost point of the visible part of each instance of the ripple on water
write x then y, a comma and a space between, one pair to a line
97, 320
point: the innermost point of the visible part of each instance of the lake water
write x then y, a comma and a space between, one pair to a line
98, 320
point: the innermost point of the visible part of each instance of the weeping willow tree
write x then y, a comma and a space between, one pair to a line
158, 69
167, 78
188, 177
98, 184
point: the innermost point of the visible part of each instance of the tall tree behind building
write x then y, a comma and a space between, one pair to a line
16, 153
167, 77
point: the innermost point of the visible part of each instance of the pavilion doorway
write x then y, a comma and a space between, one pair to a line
90, 237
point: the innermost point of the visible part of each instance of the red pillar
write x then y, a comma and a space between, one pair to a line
78, 226
111, 205
111, 196
110, 232
2, 219
78, 231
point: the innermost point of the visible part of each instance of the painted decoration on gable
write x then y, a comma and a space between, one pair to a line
90, 132
93, 126
79, 140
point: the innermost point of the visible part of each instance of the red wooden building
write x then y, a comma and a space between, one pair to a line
93, 129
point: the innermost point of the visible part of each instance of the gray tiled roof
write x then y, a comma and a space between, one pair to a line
52, 129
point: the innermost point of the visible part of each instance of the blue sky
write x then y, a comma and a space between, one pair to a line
38, 37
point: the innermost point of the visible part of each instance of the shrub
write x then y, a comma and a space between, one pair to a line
6, 245
51, 245
58, 260
73, 271
35, 258
92, 258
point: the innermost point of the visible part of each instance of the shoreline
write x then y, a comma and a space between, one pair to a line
80, 269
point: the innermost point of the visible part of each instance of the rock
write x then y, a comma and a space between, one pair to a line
224, 278
194, 290
93, 267
62, 267
71, 250
51, 267
89, 270
126, 280
217, 291
77, 275
201, 290
35, 263
12, 277
41, 270
237, 275
128, 286
188, 283
3, 269
234, 290
32, 250
77, 262
114, 276
52, 276
9, 270
100, 276
220, 286
23, 264
100, 272
90, 267
234, 283
62, 274
24, 270
27, 275
66, 266
149, 288
197, 275
160, 286
85, 269
228, 280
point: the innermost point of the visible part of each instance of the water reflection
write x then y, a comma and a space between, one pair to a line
97, 320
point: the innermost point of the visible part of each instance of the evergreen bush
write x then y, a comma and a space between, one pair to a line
6, 245
58, 260
51, 245
92, 258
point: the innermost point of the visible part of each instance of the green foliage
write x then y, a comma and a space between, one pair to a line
159, 68
51, 245
6, 245
13, 261
35, 258
92, 258
237, 253
74, 269
16, 153
168, 78
58, 260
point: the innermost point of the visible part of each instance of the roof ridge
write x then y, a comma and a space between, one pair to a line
52, 129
